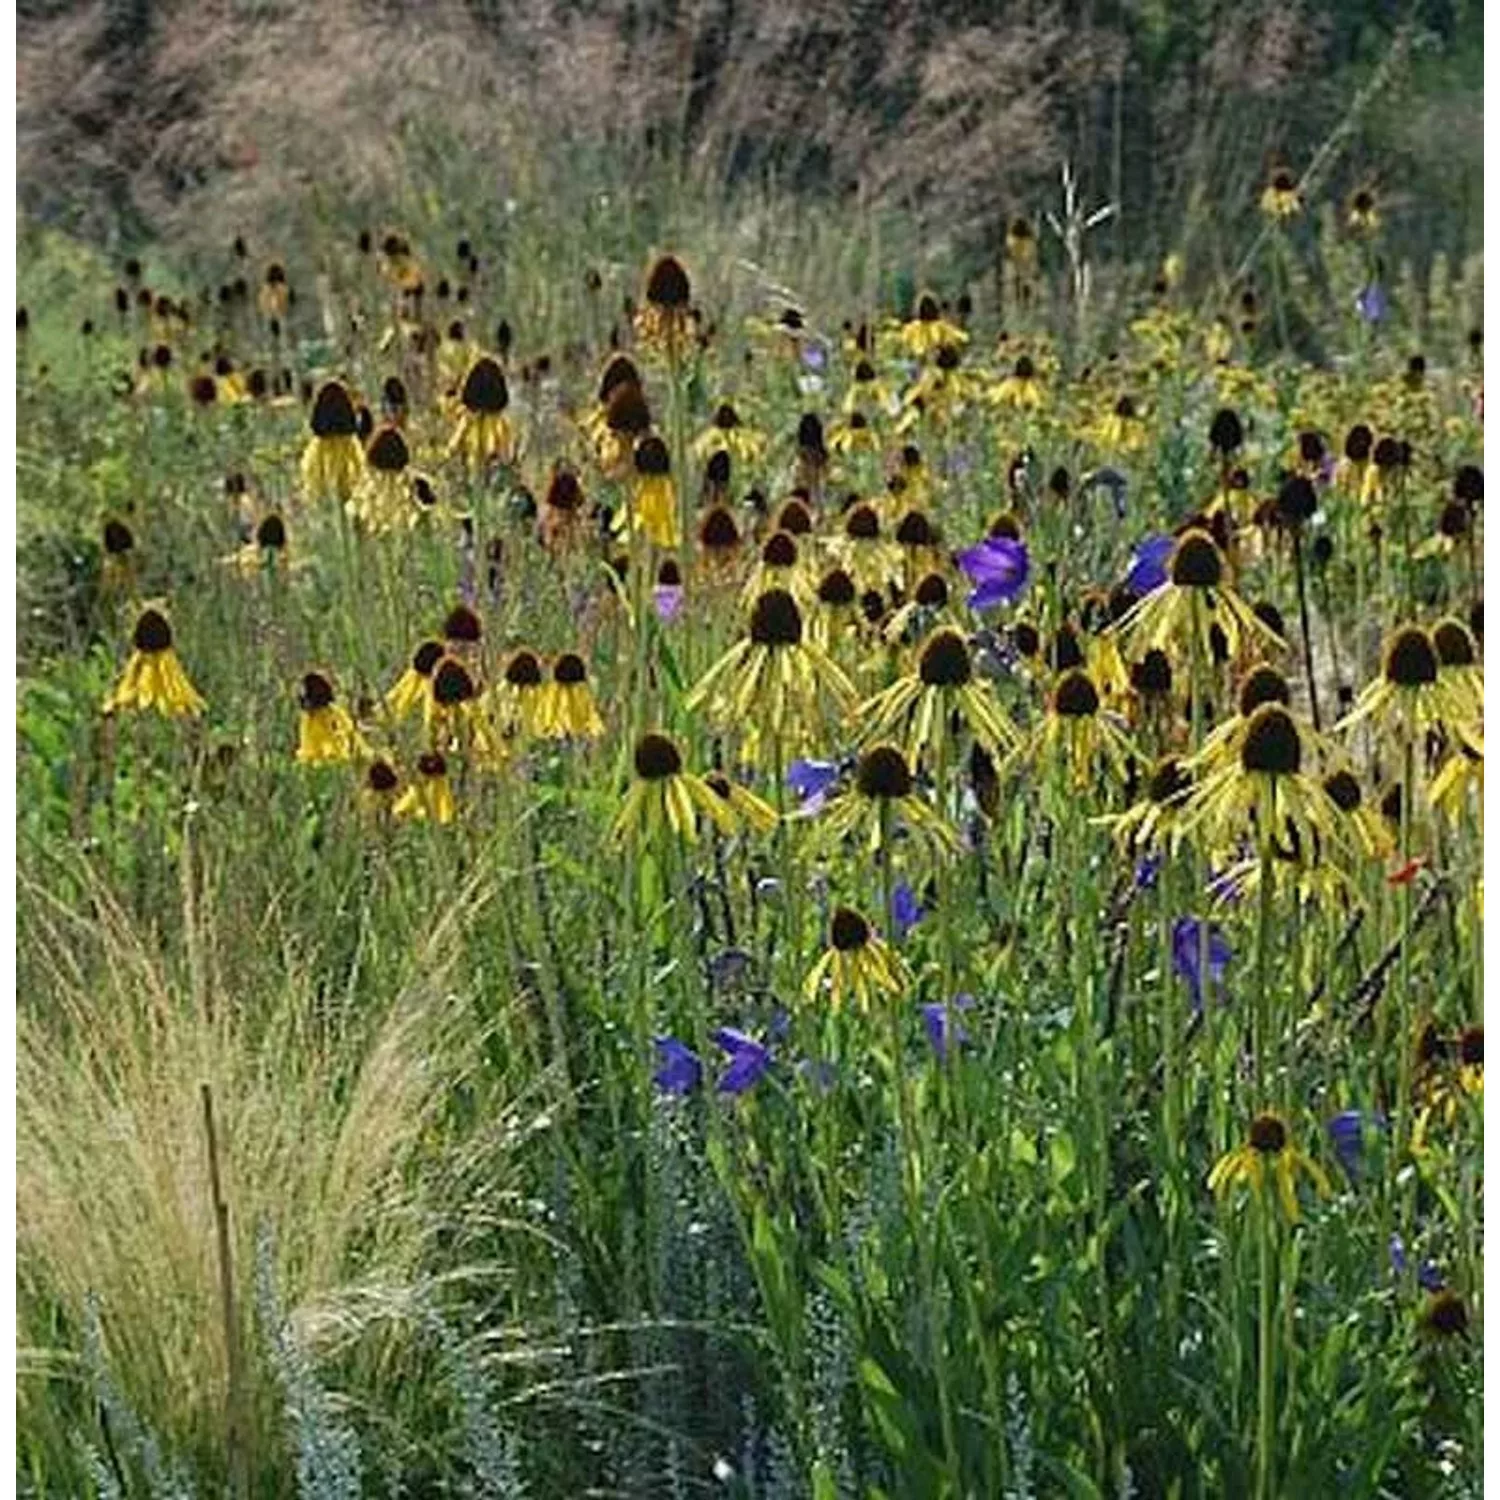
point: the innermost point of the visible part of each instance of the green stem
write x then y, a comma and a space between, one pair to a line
1265, 1386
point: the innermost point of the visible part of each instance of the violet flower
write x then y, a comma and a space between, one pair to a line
1148, 564
1371, 303
998, 567
942, 1025
681, 1071
1346, 1132
1188, 952
906, 909
1429, 1277
667, 599
748, 1060
812, 781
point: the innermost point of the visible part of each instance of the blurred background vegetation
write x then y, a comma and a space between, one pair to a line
919, 129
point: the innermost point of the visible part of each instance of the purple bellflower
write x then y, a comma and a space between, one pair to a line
998, 568
1189, 951
680, 1072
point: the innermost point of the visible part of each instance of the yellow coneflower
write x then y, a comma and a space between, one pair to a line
1447, 1076
483, 434
326, 734
458, 719
943, 389
728, 432
1349, 473
430, 795
1218, 341
920, 541
774, 682
780, 565
1021, 248
1282, 198
1196, 596
856, 965
518, 694
1461, 774
560, 522
715, 489
231, 384
653, 498
664, 797
927, 330
1076, 733
1370, 832
265, 550
882, 804
273, 296
1409, 697
1445, 1315
333, 460
1268, 1160
1261, 684
456, 354
867, 392
940, 688
203, 390
621, 416
1460, 671
1390, 458
567, 709
1121, 429
664, 322
853, 435
750, 811
835, 614
397, 263
1454, 528
412, 691
424, 500
1021, 389
117, 574
1155, 821
1265, 792
154, 677
718, 539
794, 516
871, 559
931, 604
382, 498
380, 787
1363, 214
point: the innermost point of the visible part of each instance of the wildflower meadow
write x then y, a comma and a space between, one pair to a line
654, 862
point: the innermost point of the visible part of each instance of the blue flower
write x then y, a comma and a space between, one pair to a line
942, 1024
1147, 869
1225, 885
1371, 303
1188, 952
998, 567
812, 781
1148, 564
819, 1073
667, 599
814, 355
906, 910
748, 1059
680, 1071
1346, 1131
1429, 1277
